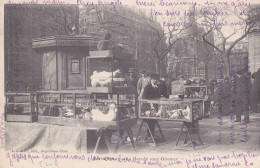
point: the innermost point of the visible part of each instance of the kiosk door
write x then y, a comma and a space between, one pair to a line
49, 71
76, 72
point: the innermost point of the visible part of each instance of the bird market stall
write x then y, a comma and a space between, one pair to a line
193, 88
186, 105
83, 88
186, 111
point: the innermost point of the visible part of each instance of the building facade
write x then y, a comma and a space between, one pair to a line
22, 23
128, 28
254, 40
191, 56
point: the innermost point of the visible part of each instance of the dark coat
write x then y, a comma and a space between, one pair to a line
151, 92
243, 86
256, 86
163, 89
223, 91
131, 81
226, 89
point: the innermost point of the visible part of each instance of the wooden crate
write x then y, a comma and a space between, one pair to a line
196, 92
177, 87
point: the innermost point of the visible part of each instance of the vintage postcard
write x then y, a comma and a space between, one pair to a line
140, 83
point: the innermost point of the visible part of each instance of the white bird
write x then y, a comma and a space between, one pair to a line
147, 113
175, 115
186, 113
110, 116
102, 78
160, 111
68, 113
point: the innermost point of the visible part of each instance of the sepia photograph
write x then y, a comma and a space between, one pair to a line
140, 83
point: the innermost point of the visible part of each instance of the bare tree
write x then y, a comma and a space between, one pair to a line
57, 18
229, 25
206, 52
166, 37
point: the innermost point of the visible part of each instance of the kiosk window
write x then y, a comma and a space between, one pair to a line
75, 66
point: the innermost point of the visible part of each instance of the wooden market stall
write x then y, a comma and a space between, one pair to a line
186, 104
83, 88
187, 111
192, 91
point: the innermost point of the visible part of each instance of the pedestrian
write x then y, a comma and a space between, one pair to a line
242, 101
131, 80
142, 83
255, 91
169, 86
151, 91
226, 99
163, 87
148, 76
224, 96
211, 89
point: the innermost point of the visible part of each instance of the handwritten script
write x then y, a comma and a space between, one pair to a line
2, 131
234, 159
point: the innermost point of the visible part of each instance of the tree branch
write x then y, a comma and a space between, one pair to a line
212, 45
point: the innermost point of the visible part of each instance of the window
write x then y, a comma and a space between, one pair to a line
75, 66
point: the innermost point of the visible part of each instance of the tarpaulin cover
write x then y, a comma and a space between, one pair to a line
43, 137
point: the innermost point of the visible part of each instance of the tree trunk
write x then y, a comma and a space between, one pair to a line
227, 65
206, 71
157, 66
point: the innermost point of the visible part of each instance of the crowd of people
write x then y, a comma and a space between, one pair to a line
145, 79
239, 95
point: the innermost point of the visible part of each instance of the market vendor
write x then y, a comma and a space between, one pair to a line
163, 86
151, 91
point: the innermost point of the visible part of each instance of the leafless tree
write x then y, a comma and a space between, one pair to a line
166, 36
224, 31
57, 18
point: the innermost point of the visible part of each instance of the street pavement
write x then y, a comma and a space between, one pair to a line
217, 133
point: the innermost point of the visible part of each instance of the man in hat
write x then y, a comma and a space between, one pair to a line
163, 86
224, 97
151, 91
131, 80
142, 83
242, 101
255, 91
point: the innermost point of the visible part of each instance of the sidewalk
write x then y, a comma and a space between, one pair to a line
217, 134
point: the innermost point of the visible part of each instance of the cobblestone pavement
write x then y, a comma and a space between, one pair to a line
217, 134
